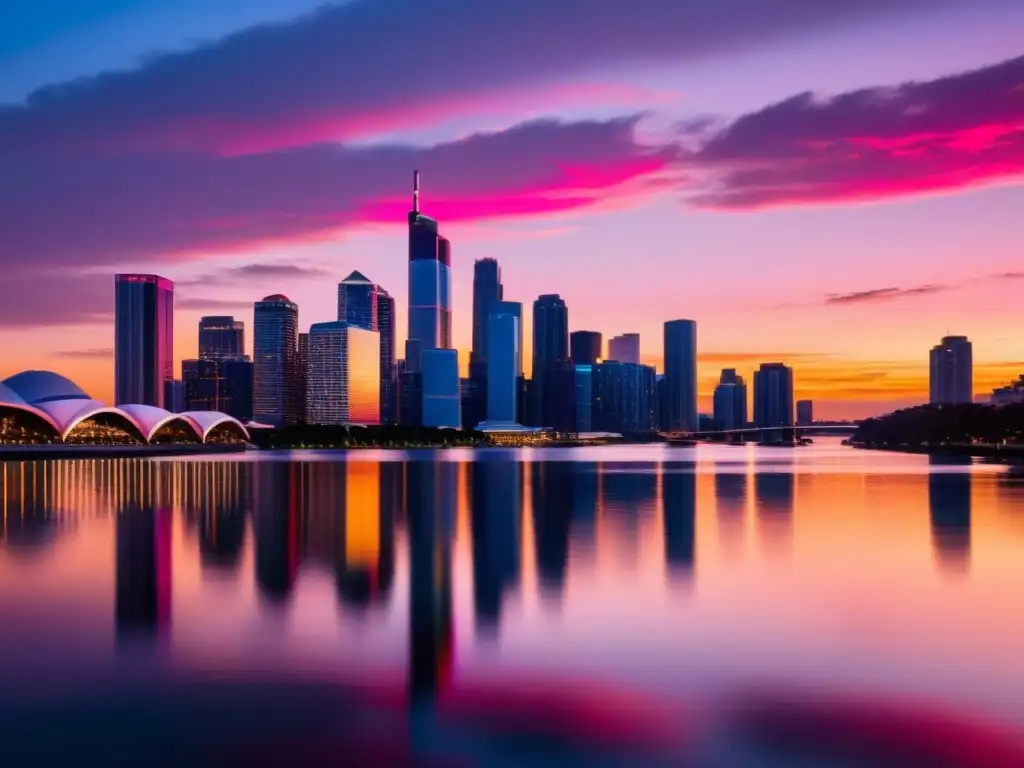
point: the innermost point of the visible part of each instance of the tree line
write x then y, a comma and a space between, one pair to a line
944, 425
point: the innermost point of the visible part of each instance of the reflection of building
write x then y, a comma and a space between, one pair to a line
585, 347
496, 494
679, 411
951, 375
949, 505
276, 525
143, 597
143, 339
730, 401
275, 342
773, 495
343, 378
364, 561
625, 348
221, 338
730, 503
679, 508
430, 494
551, 489
218, 493
628, 497
773, 395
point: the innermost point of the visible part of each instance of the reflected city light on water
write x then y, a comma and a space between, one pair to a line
639, 605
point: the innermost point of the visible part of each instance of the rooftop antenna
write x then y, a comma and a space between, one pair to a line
415, 191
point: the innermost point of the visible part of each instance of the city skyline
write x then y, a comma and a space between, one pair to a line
849, 278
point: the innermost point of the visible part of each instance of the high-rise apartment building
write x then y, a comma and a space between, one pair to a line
730, 401
623, 397
301, 376
804, 413
586, 347
275, 351
679, 409
502, 369
487, 291
625, 348
388, 371
550, 354
343, 380
584, 378
773, 396
951, 378
221, 338
143, 339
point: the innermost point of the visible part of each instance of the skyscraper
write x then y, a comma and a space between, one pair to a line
502, 368
680, 383
430, 285
275, 339
301, 376
623, 397
343, 383
431, 364
804, 413
730, 401
487, 291
625, 348
550, 354
951, 378
364, 304
586, 347
773, 395
143, 339
221, 338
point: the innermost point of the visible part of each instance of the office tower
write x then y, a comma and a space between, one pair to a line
680, 387
221, 338
237, 376
357, 302
275, 339
174, 396
773, 395
502, 376
218, 385
625, 348
584, 379
487, 291
301, 377
730, 401
430, 287
585, 347
441, 404
388, 373
623, 397
952, 371
343, 379
550, 352
143, 339
804, 413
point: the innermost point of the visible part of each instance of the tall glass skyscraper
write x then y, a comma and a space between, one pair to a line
430, 283
586, 347
364, 304
487, 291
343, 383
951, 371
502, 368
773, 395
221, 338
275, 350
730, 401
550, 331
680, 382
143, 339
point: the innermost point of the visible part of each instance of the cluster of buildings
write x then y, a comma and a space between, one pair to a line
347, 371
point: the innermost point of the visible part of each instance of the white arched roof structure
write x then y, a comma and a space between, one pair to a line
208, 420
68, 414
36, 387
150, 419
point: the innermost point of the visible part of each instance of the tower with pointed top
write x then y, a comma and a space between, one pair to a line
364, 304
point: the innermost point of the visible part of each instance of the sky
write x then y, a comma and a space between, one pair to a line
829, 184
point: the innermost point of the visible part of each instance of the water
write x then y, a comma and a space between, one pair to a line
714, 605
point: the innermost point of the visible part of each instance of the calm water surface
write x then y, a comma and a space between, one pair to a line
718, 605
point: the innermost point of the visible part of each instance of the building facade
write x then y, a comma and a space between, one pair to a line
364, 304
143, 339
221, 338
804, 413
680, 382
623, 397
275, 351
550, 356
586, 347
430, 284
343, 378
730, 401
502, 373
441, 401
584, 378
625, 348
951, 371
773, 396
487, 291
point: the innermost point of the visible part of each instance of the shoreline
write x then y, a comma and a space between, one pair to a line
52, 452
1008, 453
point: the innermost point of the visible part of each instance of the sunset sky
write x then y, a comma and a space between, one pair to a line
828, 183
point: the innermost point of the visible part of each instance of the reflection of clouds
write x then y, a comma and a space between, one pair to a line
949, 505
679, 502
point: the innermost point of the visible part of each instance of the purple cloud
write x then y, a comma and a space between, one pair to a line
882, 294
950, 133
323, 75
255, 272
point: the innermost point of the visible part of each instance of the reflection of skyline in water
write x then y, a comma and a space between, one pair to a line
495, 492
679, 505
730, 503
629, 500
949, 507
773, 497
143, 572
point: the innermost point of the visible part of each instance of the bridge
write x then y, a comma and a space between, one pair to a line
759, 433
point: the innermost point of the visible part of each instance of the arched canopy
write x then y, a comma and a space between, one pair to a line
35, 387
207, 421
151, 419
90, 412
42, 416
9, 397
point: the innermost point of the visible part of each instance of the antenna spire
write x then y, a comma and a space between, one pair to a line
415, 191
